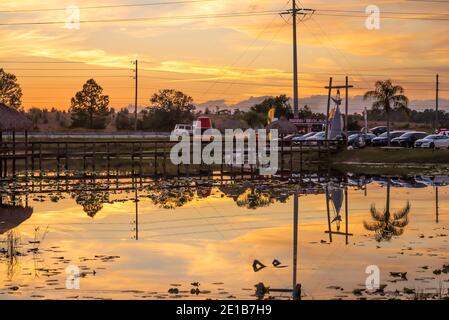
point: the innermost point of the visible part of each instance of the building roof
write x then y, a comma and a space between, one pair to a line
283, 126
13, 120
232, 124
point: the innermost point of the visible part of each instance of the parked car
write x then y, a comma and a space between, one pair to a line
302, 139
350, 133
288, 140
378, 130
436, 141
407, 140
317, 138
359, 140
183, 130
381, 140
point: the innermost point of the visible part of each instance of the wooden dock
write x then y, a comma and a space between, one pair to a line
142, 157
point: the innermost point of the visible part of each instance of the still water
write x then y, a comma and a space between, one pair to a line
213, 239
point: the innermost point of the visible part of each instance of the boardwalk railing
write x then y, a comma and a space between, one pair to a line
145, 157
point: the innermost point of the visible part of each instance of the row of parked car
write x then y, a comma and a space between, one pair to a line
405, 139
378, 137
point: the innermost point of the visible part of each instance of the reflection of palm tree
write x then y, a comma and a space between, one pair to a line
386, 225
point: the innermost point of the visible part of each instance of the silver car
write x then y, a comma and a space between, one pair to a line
436, 141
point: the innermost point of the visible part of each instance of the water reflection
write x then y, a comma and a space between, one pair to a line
334, 202
171, 194
386, 225
211, 231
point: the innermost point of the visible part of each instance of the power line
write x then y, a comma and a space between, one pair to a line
383, 17
323, 12
43, 62
184, 17
108, 6
385, 12
437, 1
68, 69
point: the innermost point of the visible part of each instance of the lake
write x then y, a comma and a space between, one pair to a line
219, 238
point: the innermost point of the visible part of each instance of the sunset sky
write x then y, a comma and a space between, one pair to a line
185, 46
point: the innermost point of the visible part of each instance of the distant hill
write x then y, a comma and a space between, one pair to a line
318, 103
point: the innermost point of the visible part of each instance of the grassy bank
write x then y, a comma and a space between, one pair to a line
392, 161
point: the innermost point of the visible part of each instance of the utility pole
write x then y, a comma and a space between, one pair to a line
295, 64
436, 101
303, 13
346, 107
328, 105
136, 75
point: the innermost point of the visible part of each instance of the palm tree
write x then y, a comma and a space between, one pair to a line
386, 225
388, 97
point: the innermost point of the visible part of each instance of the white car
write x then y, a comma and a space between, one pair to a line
183, 130
436, 141
316, 138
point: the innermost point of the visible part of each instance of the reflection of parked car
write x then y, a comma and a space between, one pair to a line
408, 139
359, 139
302, 139
382, 140
436, 141
378, 130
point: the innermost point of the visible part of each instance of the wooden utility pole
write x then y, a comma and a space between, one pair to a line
295, 12
346, 107
136, 93
436, 126
295, 64
328, 105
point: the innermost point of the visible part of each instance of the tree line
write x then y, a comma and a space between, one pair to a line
89, 108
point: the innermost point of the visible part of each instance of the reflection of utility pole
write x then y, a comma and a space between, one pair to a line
328, 214
346, 215
261, 290
295, 237
437, 205
329, 222
137, 213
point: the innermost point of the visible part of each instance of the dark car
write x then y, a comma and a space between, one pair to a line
407, 140
378, 130
381, 140
355, 139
